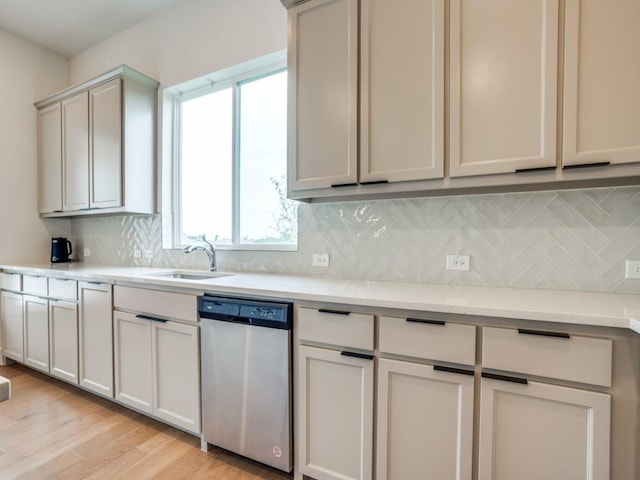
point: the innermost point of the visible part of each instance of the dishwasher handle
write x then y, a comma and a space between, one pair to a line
224, 318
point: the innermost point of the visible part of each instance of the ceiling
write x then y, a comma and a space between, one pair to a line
69, 27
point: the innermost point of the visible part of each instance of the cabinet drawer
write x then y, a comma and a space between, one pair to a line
548, 354
336, 327
35, 285
180, 306
63, 288
11, 281
433, 340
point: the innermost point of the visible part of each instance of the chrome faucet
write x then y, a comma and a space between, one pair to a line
208, 248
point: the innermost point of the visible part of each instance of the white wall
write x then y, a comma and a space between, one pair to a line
29, 73
189, 40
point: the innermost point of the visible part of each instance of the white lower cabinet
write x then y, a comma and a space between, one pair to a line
132, 357
425, 422
157, 368
63, 340
96, 337
176, 374
36, 333
537, 431
533, 430
335, 415
12, 326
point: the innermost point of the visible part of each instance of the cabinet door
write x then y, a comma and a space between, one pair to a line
132, 354
75, 152
601, 82
323, 94
334, 415
176, 374
50, 159
536, 431
12, 326
402, 91
503, 86
63, 340
105, 109
36, 332
96, 337
425, 422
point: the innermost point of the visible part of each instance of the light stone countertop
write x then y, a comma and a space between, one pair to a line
560, 306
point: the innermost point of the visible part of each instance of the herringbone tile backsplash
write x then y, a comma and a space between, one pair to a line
576, 240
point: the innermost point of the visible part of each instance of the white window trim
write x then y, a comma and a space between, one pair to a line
169, 171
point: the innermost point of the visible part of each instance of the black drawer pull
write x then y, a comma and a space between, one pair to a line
334, 312
534, 169
340, 185
375, 182
505, 378
364, 356
586, 165
542, 333
149, 317
461, 371
427, 321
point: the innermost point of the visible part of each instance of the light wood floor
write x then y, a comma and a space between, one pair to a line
51, 430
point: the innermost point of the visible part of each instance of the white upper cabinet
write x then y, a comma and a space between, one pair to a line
602, 82
100, 155
50, 159
400, 133
402, 91
503, 86
323, 94
75, 152
105, 111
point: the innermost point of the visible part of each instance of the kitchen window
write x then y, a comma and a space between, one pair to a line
230, 162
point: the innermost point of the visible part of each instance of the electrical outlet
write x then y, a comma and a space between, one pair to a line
87, 252
148, 254
633, 269
459, 262
320, 260
137, 253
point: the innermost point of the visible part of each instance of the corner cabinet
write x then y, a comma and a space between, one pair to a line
96, 145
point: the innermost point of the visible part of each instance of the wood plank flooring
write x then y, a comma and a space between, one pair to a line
51, 430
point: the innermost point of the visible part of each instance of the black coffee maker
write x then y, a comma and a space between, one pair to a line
60, 250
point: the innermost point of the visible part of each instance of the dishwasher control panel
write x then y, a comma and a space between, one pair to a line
254, 312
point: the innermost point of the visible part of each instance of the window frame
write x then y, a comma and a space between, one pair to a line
232, 78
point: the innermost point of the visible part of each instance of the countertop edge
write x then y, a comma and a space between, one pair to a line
622, 311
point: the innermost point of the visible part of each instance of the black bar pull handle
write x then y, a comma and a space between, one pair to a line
542, 333
334, 312
364, 356
505, 378
534, 169
149, 317
375, 182
460, 371
340, 185
427, 321
586, 165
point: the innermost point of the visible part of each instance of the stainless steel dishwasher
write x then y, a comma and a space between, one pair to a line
246, 378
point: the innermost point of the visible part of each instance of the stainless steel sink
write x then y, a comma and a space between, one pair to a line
193, 275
